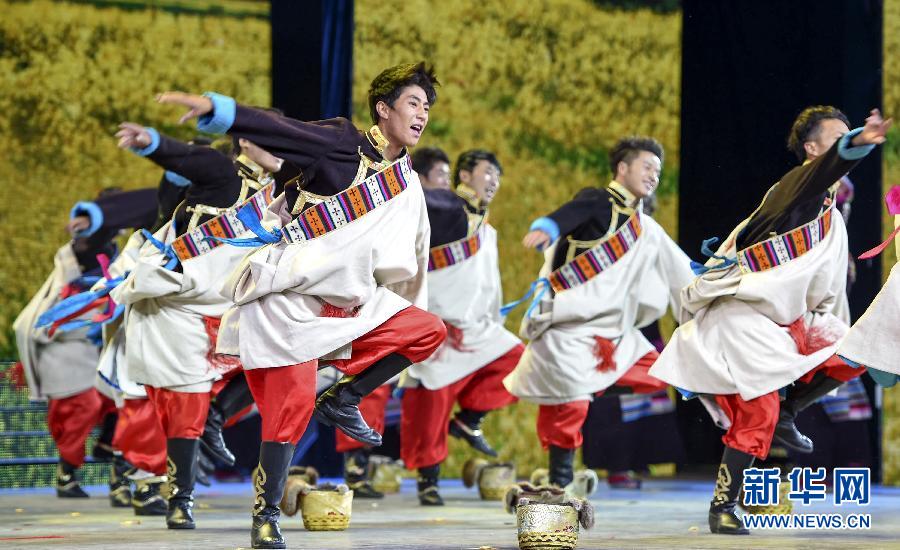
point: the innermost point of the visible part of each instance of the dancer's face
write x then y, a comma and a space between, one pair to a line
484, 179
404, 122
830, 130
641, 175
438, 177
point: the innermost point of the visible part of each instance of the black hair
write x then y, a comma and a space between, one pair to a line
469, 159
628, 148
424, 159
808, 124
389, 84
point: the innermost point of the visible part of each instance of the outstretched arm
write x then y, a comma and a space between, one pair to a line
203, 166
302, 143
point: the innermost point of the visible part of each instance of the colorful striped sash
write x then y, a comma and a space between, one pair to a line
453, 253
601, 257
354, 203
783, 248
226, 226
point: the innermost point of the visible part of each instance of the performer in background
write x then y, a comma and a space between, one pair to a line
464, 290
609, 271
433, 166
342, 275
60, 363
174, 304
760, 318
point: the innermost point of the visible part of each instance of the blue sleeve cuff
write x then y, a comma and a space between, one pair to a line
848, 152
177, 179
154, 143
547, 225
91, 210
221, 118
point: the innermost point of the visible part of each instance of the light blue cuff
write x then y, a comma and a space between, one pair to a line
154, 143
177, 179
221, 118
91, 210
547, 225
848, 152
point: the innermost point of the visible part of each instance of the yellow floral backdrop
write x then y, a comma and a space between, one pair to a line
547, 85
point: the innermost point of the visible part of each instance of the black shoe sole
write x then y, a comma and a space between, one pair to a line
320, 416
181, 525
150, 511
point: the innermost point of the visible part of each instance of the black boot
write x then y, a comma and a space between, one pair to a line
561, 469
119, 485
103, 449
356, 474
722, 519
233, 398
274, 461
428, 486
147, 500
466, 425
799, 397
182, 472
67, 485
205, 467
339, 406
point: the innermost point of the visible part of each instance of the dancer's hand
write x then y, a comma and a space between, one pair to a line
197, 105
874, 131
536, 239
260, 156
133, 136
78, 224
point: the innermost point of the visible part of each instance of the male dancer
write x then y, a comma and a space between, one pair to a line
174, 305
611, 270
761, 316
433, 167
60, 364
464, 289
346, 261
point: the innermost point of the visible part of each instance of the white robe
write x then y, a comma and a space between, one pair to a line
168, 343
62, 365
559, 365
376, 263
872, 339
468, 296
114, 377
737, 340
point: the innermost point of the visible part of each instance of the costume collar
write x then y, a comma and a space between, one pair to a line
626, 196
473, 203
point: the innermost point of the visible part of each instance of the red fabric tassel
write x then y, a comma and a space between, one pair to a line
455, 337
16, 375
219, 361
604, 350
330, 310
797, 330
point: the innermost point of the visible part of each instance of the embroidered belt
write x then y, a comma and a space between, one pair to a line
783, 248
197, 242
449, 254
355, 202
599, 258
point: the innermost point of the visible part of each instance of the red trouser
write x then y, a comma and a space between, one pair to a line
560, 425
372, 409
182, 415
423, 423
285, 396
753, 422
72, 418
140, 436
